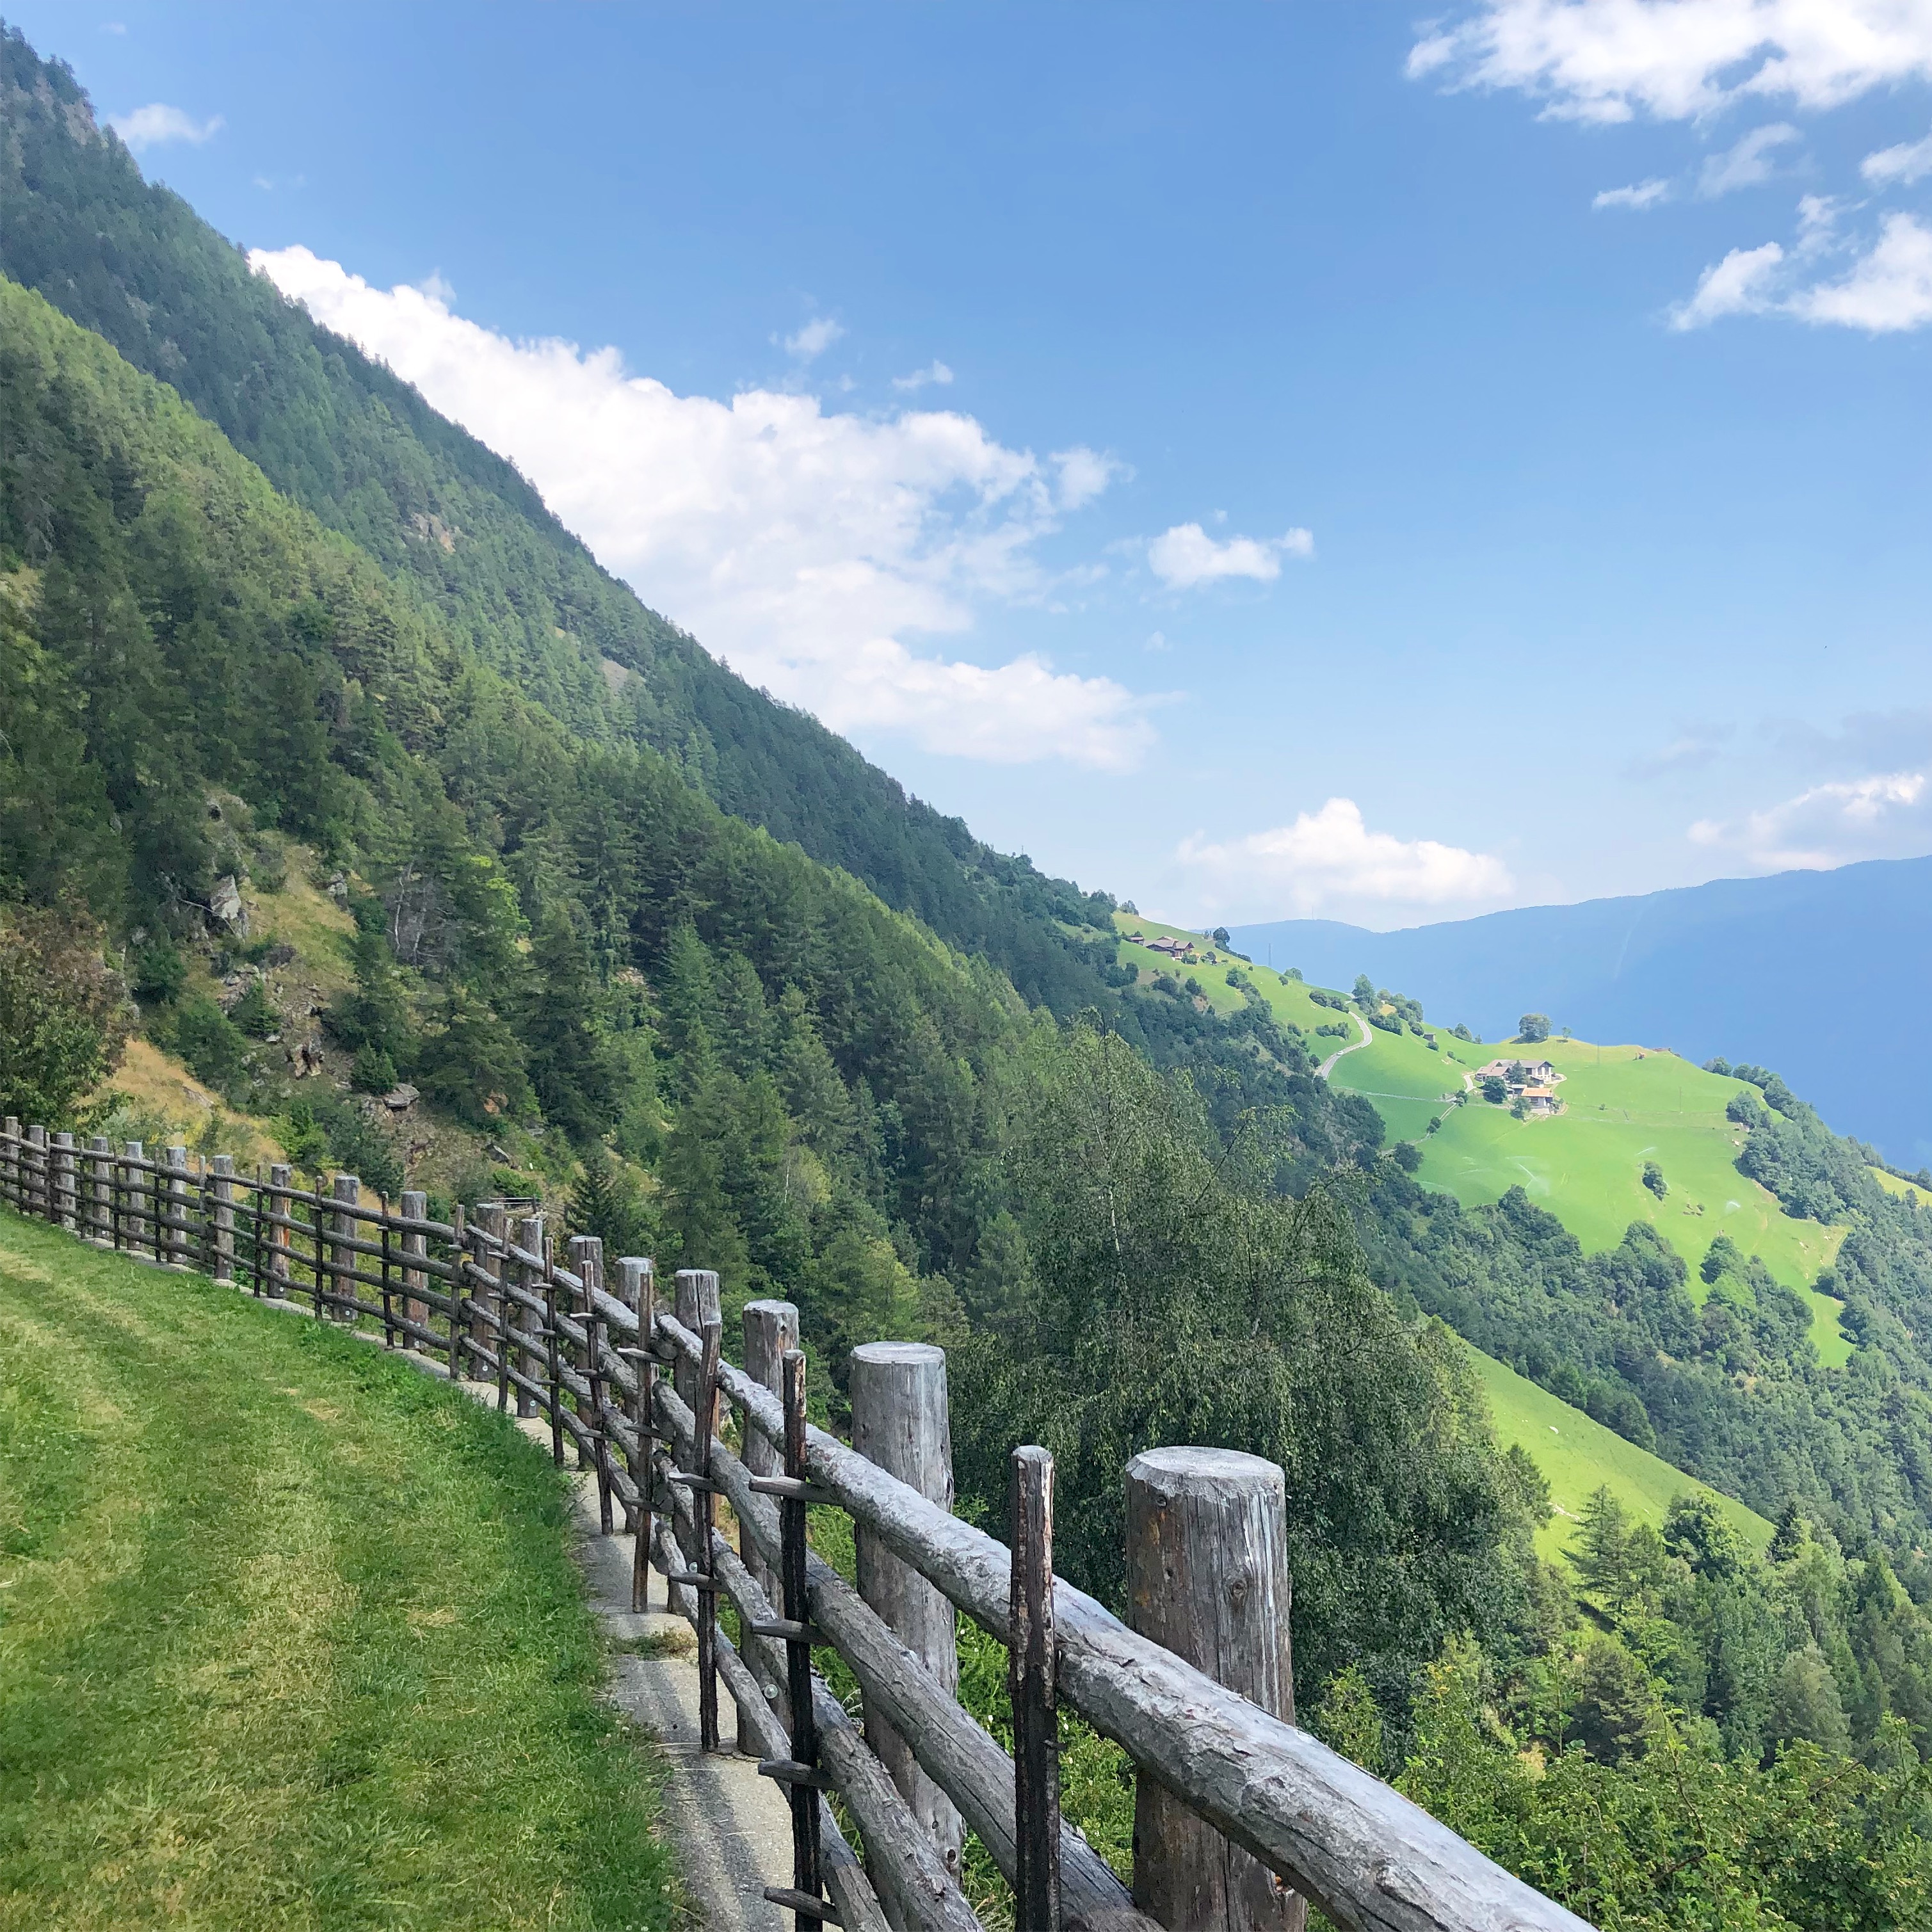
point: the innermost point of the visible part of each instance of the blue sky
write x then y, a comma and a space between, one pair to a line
1266, 460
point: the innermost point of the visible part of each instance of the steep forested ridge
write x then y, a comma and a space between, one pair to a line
342, 436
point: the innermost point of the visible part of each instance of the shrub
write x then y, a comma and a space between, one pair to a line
254, 1012
1653, 1180
62, 1024
214, 1047
372, 1071
159, 972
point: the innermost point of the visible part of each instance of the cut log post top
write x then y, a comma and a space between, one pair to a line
1207, 1579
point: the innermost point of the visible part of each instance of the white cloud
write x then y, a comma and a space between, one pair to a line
1738, 285
148, 126
1639, 195
934, 372
1909, 162
1083, 474
804, 545
1829, 825
1748, 164
815, 338
1329, 858
1186, 555
1609, 60
1888, 290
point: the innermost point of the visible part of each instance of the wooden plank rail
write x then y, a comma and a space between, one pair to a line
488, 1294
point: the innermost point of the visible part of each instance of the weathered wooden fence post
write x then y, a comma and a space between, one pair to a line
100, 1177
525, 1323
414, 1204
174, 1208
1208, 1578
38, 1192
638, 1290
586, 1263
1030, 1686
281, 1177
347, 1189
67, 1192
491, 1309
696, 1304
133, 1187
771, 1328
9, 1160
901, 1421
224, 1217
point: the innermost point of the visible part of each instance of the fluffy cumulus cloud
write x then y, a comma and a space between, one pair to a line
1186, 556
804, 546
1886, 289
1886, 815
1686, 61
151, 126
1610, 60
1329, 861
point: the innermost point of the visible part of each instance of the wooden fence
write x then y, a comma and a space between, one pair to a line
1240, 1816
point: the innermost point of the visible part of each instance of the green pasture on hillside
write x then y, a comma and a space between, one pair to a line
1897, 1184
1578, 1456
290, 1635
1623, 1105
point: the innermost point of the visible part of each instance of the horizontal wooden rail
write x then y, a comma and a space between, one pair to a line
1370, 1858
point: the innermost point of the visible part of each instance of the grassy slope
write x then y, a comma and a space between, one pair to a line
1624, 1105
289, 1635
1577, 1456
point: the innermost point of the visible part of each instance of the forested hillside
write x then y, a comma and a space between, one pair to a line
340, 436
707, 981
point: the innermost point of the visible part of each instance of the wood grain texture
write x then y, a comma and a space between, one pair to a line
900, 1422
1207, 1579
1372, 1860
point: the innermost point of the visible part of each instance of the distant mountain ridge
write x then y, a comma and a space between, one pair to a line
1818, 974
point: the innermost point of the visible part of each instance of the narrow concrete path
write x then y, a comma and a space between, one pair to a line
730, 1828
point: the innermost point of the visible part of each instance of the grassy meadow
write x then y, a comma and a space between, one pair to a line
290, 1635
1623, 1105
1578, 1455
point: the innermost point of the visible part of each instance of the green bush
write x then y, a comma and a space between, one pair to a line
215, 1048
372, 1071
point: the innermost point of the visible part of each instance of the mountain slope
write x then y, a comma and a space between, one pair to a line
1792, 971
343, 437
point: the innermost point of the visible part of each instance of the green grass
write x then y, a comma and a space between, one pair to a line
1894, 1183
1578, 1455
1624, 1105
290, 1635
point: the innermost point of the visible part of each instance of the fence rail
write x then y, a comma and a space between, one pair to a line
1241, 1817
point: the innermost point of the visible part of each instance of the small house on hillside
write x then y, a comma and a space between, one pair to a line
1520, 1072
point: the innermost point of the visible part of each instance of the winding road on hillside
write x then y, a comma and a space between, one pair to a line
1328, 1067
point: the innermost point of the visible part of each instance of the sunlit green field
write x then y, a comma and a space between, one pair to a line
1893, 1183
1623, 1105
1578, 1455
289, 1635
